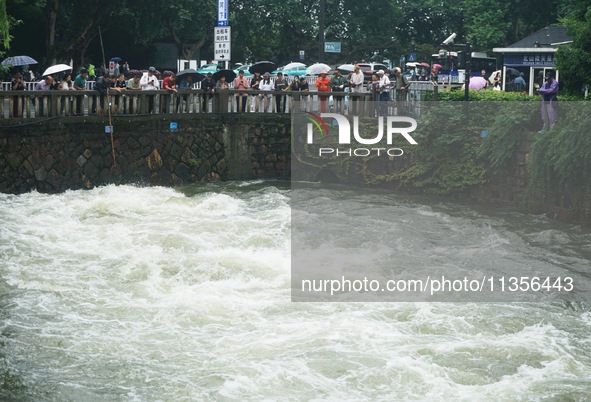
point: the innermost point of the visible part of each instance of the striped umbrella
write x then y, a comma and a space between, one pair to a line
16, 61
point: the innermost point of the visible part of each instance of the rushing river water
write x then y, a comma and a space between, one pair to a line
158, 294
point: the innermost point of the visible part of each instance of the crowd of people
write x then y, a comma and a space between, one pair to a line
261, 91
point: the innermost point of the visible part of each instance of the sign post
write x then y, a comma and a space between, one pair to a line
222, 46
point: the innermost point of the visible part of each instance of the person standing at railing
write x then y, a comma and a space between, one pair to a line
384, 91
66, 85
338, 84
17, 85
149, 82
185, 84
169, 84
120, 97
280, 85
133, 85
355, 87
208, 88
80, 85
241, 82
305, 87
323, 85
255, 82
267, 86
46, 84
401, 85
295, 86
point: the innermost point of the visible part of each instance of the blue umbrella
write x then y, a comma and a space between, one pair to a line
116, 59
16, 61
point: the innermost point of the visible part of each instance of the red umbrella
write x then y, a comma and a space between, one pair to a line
438, 66
425, 64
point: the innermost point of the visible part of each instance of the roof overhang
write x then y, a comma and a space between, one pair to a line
524, 50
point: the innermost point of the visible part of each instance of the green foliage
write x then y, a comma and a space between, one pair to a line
560, 162
446, 159
277, 31
574, 61
512, 122
485, 95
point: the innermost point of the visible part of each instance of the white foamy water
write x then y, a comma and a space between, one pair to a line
156, 294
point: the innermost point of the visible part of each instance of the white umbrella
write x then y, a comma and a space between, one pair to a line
290, 66
58, 68
316, 69
346, 67
412, 64
493, 75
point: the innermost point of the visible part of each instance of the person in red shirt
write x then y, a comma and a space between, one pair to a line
168, 84
323, 85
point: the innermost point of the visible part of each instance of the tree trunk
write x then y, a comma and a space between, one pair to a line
51, 9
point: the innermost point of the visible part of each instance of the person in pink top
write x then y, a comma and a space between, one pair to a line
241, 82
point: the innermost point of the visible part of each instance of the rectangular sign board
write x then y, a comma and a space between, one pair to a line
332, 47
222, 13
222, 43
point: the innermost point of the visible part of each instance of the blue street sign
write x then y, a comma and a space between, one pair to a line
411, 57
222, 13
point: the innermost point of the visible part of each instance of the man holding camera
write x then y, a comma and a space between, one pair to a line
149, 82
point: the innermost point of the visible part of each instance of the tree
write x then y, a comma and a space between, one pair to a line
574, 60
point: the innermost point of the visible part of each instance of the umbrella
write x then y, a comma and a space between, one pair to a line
491, 79
290, 66
16, 61
477, 83
425, 64
190, 72
413, 64
513, 72
437, 66
262, 67
316, 69
229, 74
116, 59
58, 68
346, 67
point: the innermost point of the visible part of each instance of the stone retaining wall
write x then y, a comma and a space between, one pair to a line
74, 153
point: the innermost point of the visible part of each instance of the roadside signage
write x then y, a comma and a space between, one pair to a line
302, 54
222, 43
332, 47
222, 13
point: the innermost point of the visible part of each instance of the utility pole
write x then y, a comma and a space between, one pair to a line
321, 31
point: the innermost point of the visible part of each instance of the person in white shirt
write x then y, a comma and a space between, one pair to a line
266, 85
355, 86
384, 90
149, 82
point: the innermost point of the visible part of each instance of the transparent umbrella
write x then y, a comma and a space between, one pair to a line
317, 68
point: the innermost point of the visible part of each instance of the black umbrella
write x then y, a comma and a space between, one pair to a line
116, 59
229, 74
262, 67
190, 72
513, 72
